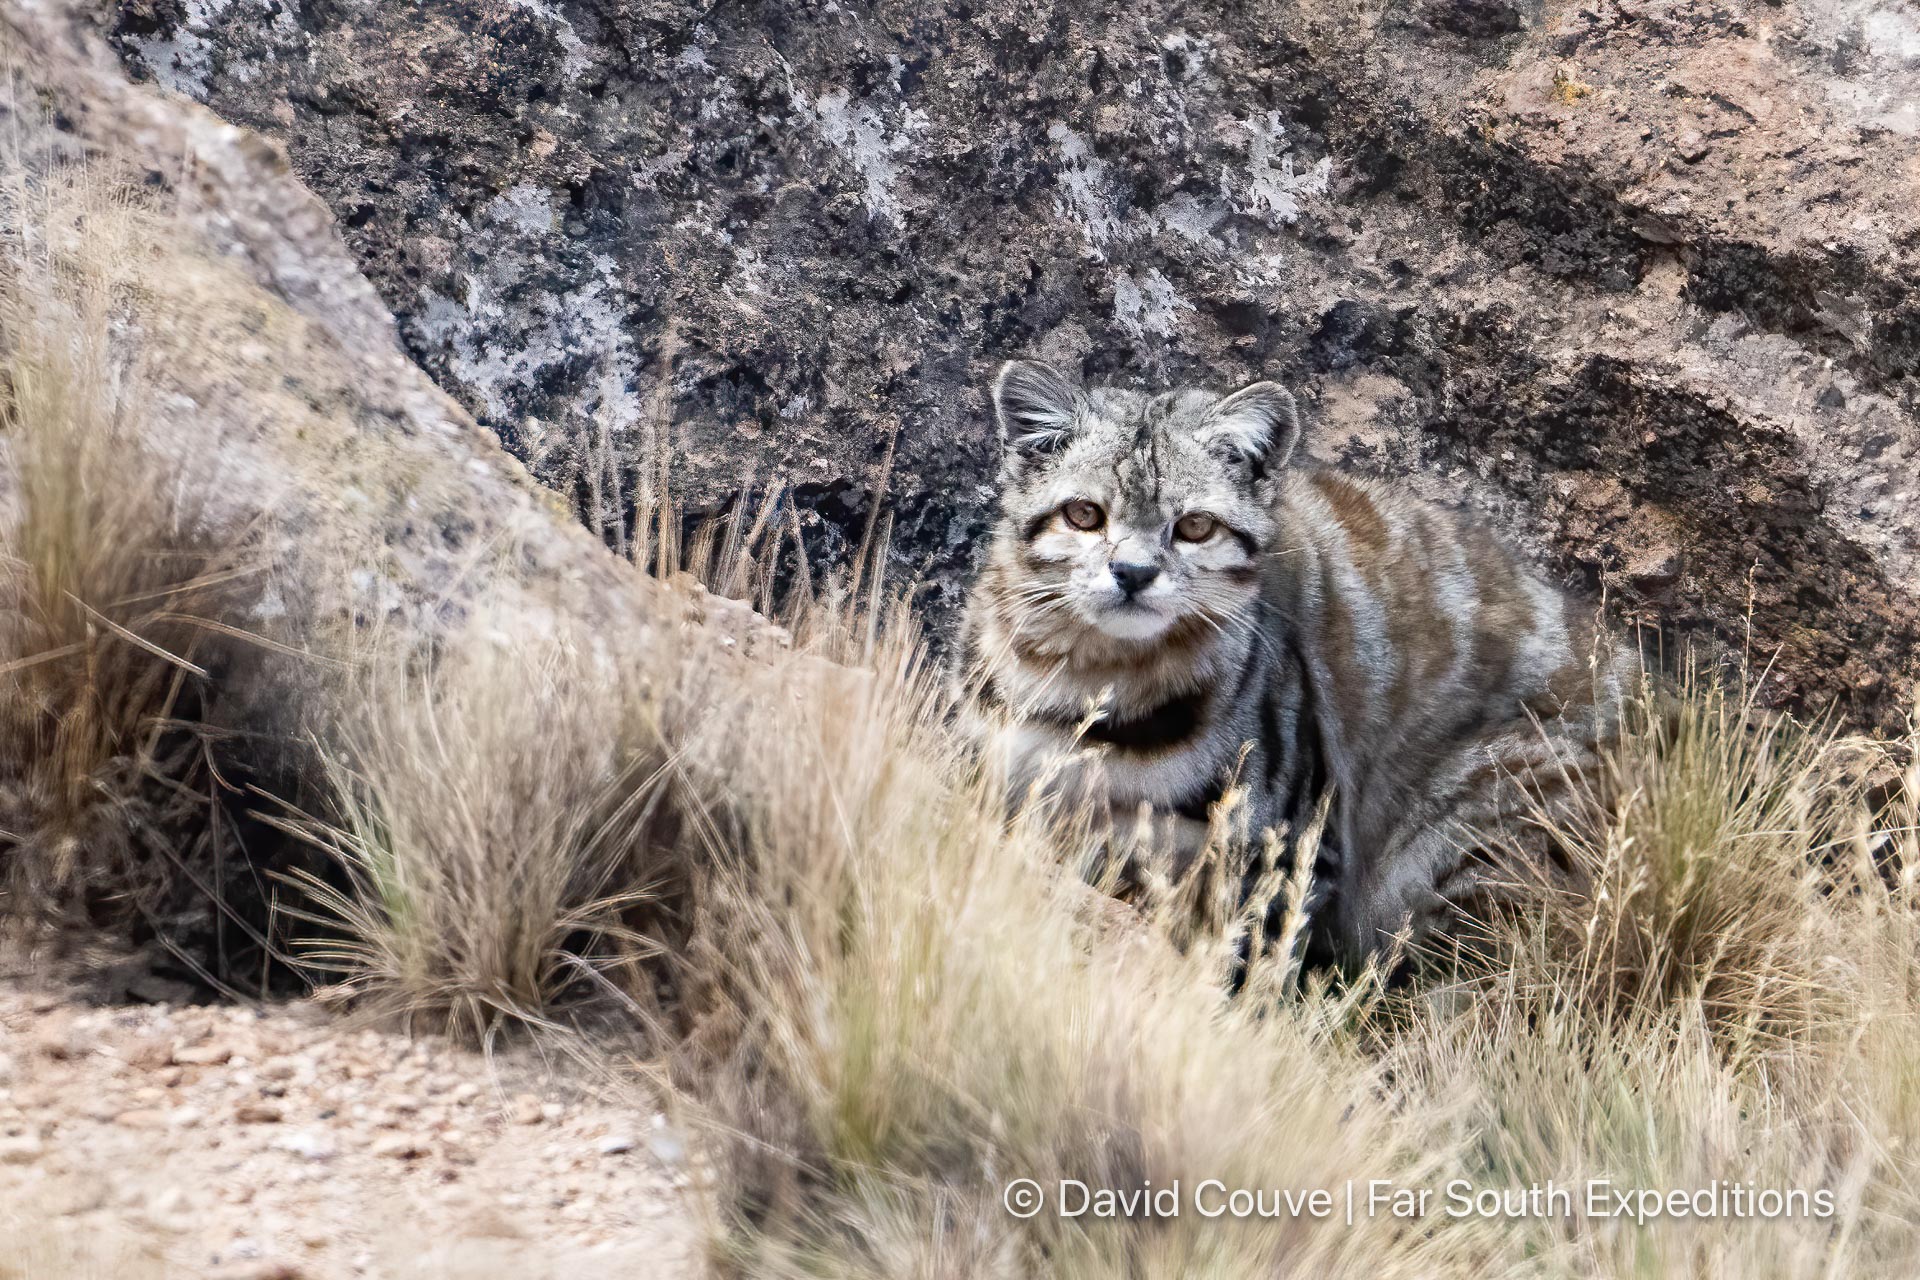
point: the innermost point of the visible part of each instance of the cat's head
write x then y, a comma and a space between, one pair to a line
1130, 514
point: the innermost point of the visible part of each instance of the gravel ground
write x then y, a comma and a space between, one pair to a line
279, 1141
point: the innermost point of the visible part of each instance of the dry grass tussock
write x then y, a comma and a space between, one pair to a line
118, 605
888, 1002
489, 820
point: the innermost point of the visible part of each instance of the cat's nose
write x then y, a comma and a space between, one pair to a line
1133, 578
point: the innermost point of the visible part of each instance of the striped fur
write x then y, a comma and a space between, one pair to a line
1329, 636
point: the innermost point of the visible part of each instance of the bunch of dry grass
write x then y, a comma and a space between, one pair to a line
116, 598
1728, 992
1718, 860
490, 822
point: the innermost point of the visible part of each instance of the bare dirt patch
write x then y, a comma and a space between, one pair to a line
278, 1141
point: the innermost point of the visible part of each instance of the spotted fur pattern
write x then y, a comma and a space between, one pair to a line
1322, 636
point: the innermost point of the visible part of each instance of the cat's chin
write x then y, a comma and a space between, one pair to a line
1136, 623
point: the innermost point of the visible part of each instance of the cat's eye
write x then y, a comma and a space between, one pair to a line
1195, 526
1082, 514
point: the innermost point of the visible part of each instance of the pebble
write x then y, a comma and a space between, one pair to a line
210, 1054
257, 1113
615, 1144
63, 1040
21, 1148
149, 1055
403, 1146
308, 1145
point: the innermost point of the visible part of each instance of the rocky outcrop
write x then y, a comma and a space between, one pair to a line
271, 379
1633, 277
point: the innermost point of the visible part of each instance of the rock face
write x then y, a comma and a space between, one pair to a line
1634, 278
271, 382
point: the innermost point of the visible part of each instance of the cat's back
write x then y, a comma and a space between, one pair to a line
1421, 626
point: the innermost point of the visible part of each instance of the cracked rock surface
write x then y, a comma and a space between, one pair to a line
1632, 277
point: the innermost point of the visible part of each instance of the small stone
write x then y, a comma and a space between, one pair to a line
401, 1146
257, 1113
21, 1148
308, 1145
141, 1118
1654, 567
1690, 146
524, 1109
210, 1054
185, 1117
61, 1039
149, 1055
615, 1144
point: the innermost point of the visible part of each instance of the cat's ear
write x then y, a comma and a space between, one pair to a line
1037, 408
1258, 424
